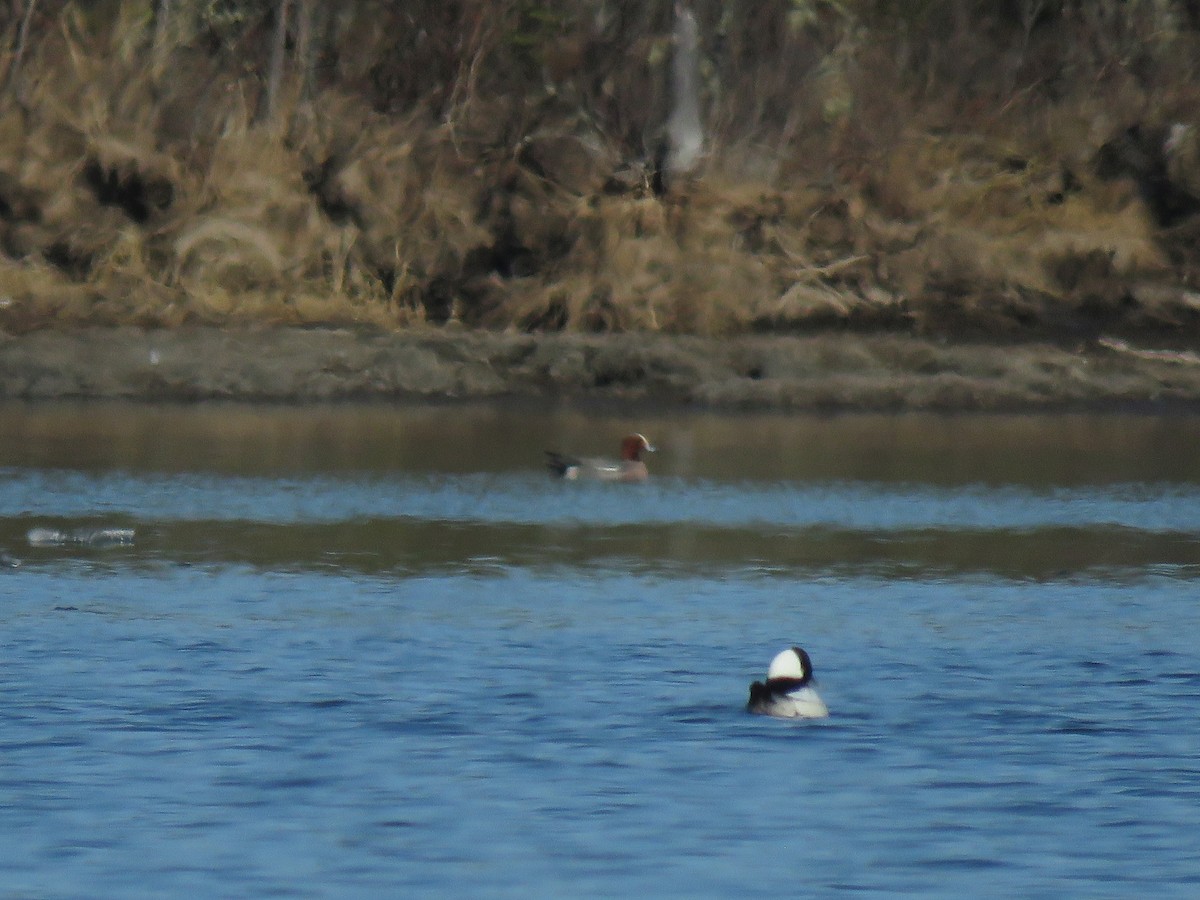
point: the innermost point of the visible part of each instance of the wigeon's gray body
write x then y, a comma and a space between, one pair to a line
787, 692
629, 467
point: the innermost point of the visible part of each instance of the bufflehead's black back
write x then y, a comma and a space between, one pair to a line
787, 692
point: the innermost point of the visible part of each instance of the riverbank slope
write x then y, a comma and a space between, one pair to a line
832, 371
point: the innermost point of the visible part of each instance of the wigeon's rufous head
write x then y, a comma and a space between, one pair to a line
633, 445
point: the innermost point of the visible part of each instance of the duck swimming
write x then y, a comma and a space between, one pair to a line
787, 692
629, 467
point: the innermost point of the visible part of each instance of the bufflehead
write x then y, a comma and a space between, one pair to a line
629, 468
787, 692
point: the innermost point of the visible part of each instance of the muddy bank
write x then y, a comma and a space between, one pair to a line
822, 372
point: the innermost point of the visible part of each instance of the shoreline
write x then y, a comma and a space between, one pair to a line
821, 372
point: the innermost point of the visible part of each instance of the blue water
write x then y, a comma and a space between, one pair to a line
326, 682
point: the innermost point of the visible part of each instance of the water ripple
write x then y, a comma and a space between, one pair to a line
536, 500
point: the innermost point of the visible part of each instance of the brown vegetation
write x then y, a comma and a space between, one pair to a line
1007, 169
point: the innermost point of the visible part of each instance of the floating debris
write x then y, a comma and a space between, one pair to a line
91, 537
8, 561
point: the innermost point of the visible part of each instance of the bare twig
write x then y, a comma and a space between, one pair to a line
268, 109
22, 40
1179, 357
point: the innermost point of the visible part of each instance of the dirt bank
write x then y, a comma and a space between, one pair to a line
836, 371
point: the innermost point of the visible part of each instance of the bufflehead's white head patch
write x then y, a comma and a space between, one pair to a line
791, 663
788, 692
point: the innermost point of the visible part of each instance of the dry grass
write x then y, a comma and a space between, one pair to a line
136, 194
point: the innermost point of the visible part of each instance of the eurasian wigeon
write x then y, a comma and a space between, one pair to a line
628, 468
788, 692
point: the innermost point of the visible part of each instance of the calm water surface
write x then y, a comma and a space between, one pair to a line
379, 652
